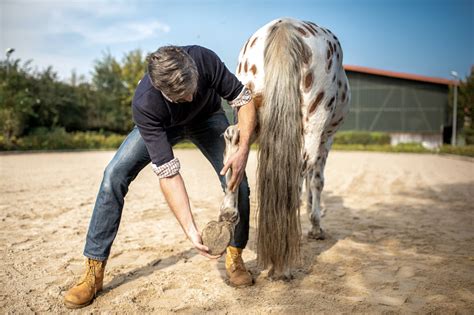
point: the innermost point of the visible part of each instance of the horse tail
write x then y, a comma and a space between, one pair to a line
279, 157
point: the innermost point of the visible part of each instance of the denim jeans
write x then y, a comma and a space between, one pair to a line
131, 157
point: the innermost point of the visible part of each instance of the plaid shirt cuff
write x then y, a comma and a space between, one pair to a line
168, 169
243, 98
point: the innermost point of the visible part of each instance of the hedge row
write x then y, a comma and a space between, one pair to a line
59, 139
361, 137
467, 150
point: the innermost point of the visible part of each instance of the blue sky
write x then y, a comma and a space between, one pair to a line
426, 37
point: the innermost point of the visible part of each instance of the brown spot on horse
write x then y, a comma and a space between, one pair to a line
253, 69
329, 65
315, 104
302, 31
253, 42
257, 100
328, 54
308, 81
250, 86
331, 102
245, 47
309, 29
331, 48
306, 53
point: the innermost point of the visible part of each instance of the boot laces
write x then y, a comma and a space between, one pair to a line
237, 263
89, 275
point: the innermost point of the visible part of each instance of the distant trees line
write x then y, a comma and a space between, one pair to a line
37, 110
34, 100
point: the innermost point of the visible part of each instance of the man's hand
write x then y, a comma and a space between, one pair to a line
177, 198
236, 163
195, 238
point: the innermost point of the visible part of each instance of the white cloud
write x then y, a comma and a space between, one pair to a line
67, 34
95, 30
117, 32
122, 33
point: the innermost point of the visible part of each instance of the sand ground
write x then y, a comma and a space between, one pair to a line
400, 239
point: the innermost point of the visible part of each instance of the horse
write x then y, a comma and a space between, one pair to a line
293, 70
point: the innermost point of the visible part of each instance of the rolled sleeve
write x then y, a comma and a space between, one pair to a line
168, 169
243, 98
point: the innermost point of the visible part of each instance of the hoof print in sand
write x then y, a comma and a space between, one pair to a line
216, 236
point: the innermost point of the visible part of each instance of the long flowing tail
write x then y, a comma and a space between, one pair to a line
279, 170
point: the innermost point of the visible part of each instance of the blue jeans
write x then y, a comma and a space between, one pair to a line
131, 157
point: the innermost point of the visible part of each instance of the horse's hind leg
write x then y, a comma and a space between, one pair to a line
229, 211
314, 187
217, 235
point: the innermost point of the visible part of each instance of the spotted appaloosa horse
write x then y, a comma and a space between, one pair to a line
294, 71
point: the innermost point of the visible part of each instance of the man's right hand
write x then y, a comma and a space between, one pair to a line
196, 239
177, 198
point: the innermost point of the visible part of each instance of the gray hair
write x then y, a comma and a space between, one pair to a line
173, 72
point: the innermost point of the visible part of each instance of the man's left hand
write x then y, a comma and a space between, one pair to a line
236, 163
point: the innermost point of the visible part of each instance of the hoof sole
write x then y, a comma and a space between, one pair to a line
216, 236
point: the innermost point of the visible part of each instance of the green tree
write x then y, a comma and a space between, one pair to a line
107, 81
16, 98
57, 104
115, 84
465, 106
133, 69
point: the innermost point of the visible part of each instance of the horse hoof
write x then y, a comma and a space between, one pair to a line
279, 276
319, 235
217, 236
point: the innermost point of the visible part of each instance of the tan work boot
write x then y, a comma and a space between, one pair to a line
85, 290
236, 271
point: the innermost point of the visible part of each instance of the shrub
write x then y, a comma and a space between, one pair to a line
403, 147
361, 137
469, 135
467, 150
58, 139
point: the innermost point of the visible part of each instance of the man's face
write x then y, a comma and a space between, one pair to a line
187, 98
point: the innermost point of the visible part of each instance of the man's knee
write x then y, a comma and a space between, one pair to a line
114, 176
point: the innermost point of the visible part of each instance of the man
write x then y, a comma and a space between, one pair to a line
179, 98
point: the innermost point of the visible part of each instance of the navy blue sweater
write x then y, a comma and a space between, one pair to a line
153, 114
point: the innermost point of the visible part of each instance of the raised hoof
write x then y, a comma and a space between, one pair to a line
316, 235
217, 236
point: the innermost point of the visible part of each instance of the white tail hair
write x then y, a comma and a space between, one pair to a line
279, 157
